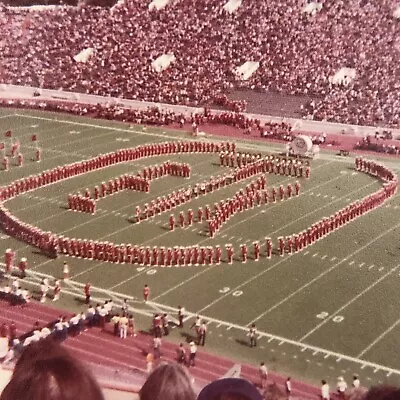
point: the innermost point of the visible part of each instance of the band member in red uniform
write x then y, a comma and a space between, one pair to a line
281, 192
244, 253
297, 188
87, 292
281, 246
57, 290
256, 251
9, 260
273, 194
20, 160
181, 219
218, 253
5, 163
308, 170
289, 191
229, 253
38, 154
289, 241
190, 217
23, 263
138, 215
268, 245
146, 293
171, 222
200, 214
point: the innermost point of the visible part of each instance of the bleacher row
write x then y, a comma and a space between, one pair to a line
297, 52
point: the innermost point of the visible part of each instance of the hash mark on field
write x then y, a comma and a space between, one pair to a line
311, 193
326, 356
323, 257
304, 349
270, 339
318, 195
362, 264
339, 359
333, 197
395, 207
325, 196
363, 366
351, 262
376, 370
315, 353
305, 253
229, 328
333, 258
315, 255
219, 325
232, 237
371, 266
281, 342
381, 269
224, 236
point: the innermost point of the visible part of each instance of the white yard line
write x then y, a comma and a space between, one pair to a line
378, 339
268, 269
331, 316
302, 287
9, 115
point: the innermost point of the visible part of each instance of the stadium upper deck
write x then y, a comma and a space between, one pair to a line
297, 53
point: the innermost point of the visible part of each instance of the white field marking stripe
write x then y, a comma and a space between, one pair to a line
9, 115
225, 295
91, 219
316, 278
379, 338
145, 133
302, 346
331, 316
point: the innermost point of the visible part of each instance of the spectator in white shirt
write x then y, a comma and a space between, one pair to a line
325, 395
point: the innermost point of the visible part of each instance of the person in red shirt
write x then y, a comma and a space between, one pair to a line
9, 260
20, 160
256, 251
268, 243
146, 293
87, 292
171, 222
22, 266
244, 253
229, 251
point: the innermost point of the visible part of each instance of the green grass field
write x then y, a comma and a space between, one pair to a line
330, 310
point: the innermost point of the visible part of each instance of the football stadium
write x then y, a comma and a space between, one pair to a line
207, 184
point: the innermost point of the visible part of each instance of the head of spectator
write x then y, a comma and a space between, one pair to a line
47, 371
167, 382
382, 392
230, 389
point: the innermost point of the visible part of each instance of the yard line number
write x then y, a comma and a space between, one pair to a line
227, 289
336, 318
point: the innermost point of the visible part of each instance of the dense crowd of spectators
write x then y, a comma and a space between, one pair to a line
298, 53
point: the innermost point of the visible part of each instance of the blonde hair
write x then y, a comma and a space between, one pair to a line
168, 382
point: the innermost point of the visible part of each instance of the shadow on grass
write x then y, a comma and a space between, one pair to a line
243, 342
188, 337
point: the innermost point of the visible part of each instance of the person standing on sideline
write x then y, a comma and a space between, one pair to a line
157, 347
341, 387
202, 334
149, 363
325, 391
181, 356
356, 382
288, 387
181, 315
65, 271
146, 293
87, 293
192, 355
263, 375
253, 335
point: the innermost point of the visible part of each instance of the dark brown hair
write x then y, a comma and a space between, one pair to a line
167, 382
46, 371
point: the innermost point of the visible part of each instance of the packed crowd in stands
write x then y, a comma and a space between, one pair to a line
297, 52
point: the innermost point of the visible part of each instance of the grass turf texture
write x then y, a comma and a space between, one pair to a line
341, 294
